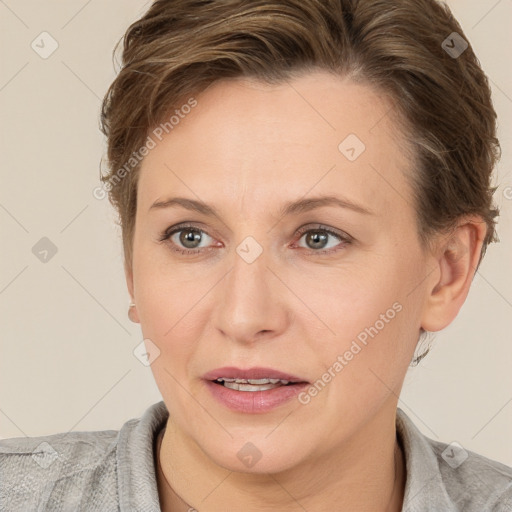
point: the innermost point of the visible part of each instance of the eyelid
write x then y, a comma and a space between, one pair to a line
344, 237
307, 227
320, 227
168, 232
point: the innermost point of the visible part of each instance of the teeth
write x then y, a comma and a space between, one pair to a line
263, 381
254, 381
250, 387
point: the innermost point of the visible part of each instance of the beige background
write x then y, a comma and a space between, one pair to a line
67, 346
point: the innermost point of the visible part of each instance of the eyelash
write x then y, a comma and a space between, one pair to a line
344, 238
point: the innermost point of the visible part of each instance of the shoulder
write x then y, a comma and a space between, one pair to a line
446, 476
103, 470
472, 481
55, 469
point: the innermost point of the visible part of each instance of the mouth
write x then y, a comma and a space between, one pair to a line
253, 390
252, 384
252, 379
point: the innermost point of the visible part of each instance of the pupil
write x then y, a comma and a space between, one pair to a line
315, 236
187, 238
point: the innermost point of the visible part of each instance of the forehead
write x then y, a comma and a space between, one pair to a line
254, 145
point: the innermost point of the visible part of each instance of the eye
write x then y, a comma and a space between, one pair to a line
186, 239
189, 239
318, 239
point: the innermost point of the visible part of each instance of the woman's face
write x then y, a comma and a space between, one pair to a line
332, 293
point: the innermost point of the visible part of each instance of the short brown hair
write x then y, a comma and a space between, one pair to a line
180, 47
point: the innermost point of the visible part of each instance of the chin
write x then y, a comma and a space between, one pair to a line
256, 457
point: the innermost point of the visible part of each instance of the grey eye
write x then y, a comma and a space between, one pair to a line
318, 239
190, 238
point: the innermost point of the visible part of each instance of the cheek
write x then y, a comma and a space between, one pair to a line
371, 321
365, 363
165, 290
350, 299
167, 304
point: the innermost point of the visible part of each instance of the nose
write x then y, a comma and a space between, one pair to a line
251, 301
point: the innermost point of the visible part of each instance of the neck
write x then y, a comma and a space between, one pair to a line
366, 474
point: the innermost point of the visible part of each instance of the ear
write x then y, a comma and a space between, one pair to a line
455, 259
132, 311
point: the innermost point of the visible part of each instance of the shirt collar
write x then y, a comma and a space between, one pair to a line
137, 487
424, 487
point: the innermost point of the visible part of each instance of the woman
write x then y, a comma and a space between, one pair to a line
304, 191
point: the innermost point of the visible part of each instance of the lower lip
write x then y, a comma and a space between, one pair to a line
254, 402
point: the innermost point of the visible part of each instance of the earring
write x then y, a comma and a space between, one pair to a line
130, 312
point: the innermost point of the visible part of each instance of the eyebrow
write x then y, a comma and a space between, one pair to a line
289, 208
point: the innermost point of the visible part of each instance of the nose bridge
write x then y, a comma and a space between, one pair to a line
248, 304
249, 275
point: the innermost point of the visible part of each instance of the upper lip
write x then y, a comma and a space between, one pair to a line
232, 372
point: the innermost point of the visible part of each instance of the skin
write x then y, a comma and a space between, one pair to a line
247, 148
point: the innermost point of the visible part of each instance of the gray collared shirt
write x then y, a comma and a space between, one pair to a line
114, 470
